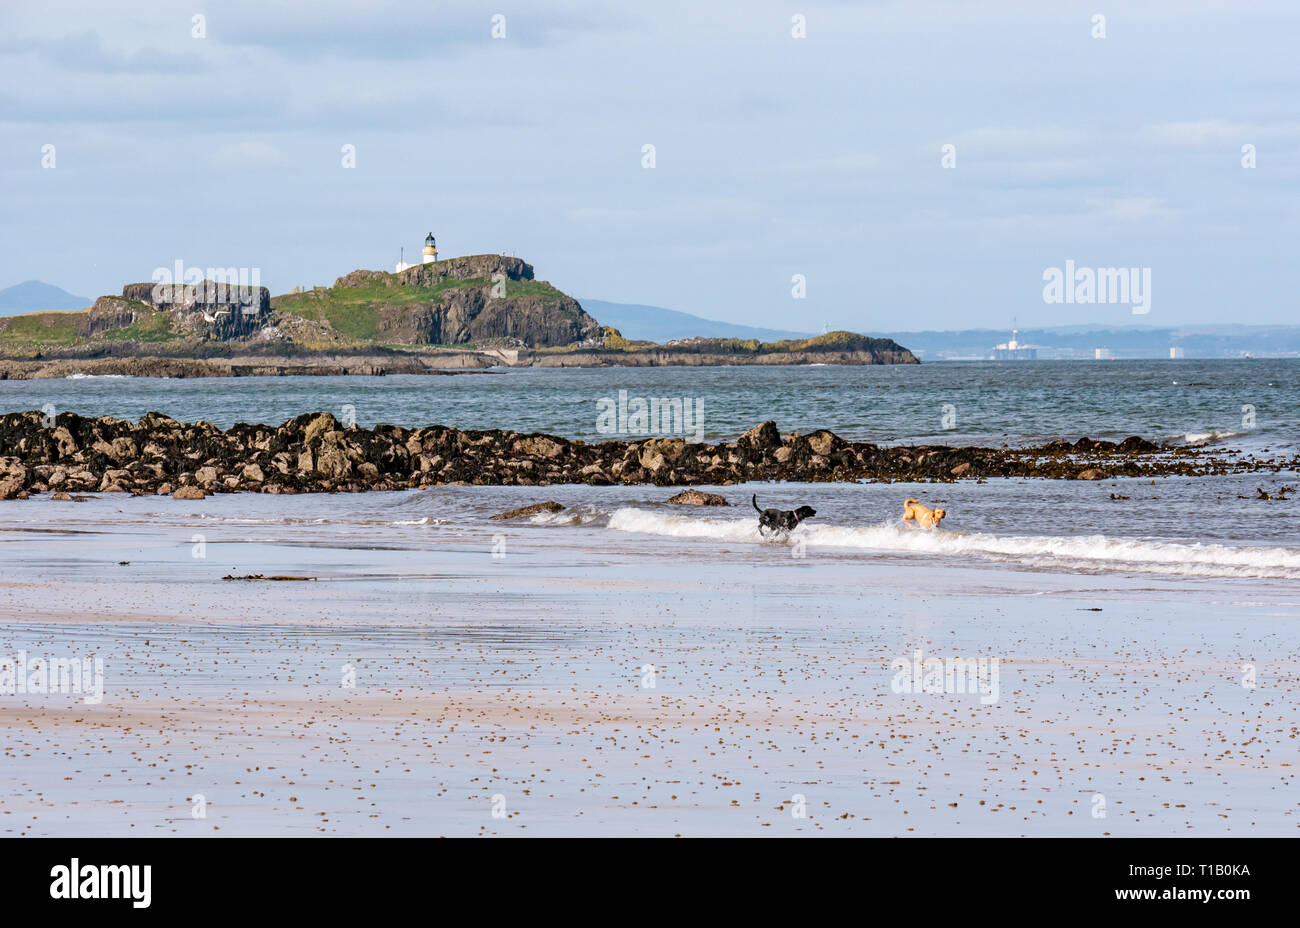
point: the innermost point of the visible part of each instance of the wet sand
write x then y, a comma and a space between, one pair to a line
517, 685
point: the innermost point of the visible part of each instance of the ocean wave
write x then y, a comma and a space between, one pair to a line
95, 376
1086, 552
1205, 438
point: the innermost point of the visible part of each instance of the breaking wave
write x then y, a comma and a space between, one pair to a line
1084, 552
1197, 439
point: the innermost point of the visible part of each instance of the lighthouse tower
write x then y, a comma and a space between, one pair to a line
430, 254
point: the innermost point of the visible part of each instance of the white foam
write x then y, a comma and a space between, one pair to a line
1087, 552
1204, 438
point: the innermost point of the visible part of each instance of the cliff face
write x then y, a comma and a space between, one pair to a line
480, 300
206, 310
474, 316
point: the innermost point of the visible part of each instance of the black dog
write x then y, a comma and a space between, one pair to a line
781, 521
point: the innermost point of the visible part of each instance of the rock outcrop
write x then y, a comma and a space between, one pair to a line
324, 365
316, 453
480, 300
699, 498
550, 506
890, 353
209, 310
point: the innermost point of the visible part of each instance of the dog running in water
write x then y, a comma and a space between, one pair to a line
781, 521
922, 515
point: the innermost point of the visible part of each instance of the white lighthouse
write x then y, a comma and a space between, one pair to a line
430, 253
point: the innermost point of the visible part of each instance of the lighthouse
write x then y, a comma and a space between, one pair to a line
430, 253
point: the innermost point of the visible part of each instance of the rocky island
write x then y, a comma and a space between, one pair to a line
454, 315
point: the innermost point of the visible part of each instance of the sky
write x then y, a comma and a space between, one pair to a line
221, 143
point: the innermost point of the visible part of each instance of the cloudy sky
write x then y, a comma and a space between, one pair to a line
773, 155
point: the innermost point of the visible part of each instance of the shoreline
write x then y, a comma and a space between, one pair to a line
251, 366
448, 361
316, 453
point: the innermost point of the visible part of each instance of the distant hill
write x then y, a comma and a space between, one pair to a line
656, 324
33, 296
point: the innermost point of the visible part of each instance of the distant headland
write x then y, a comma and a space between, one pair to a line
439, 316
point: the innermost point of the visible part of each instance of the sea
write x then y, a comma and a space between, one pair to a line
1254, 402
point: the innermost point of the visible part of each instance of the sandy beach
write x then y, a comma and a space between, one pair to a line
672, 676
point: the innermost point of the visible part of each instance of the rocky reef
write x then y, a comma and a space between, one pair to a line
316, 453
248, 365
830, 348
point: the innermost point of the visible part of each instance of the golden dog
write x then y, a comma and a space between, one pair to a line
922, 515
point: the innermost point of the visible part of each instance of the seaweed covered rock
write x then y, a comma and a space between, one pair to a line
316, 453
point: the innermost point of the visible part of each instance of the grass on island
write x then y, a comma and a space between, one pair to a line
149, 327
353, 312
48, 328
831, 341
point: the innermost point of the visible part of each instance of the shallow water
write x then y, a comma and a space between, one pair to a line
1173, 526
